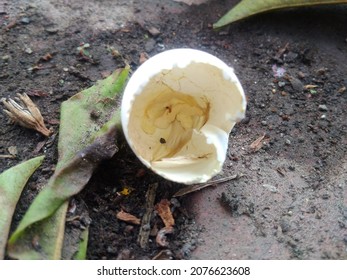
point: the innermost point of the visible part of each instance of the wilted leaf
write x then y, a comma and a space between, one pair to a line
44, 240
84, 141
126, 217
12, 182
248, 8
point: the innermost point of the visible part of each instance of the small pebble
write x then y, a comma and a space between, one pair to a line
271, 188
153, 31
28, 50
288, 142
161, 46
281, 84
323, 108
149, 46
25, 20
296, 84
6, 57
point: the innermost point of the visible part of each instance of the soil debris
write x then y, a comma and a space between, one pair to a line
161, 238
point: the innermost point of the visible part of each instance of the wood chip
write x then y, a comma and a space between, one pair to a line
39, 147
163, 209
129, 218
310, 86
7, 156
257, 144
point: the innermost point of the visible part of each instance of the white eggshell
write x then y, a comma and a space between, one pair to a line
209, 81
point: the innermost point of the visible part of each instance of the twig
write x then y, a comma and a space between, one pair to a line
198, 187
143, 236
7, 156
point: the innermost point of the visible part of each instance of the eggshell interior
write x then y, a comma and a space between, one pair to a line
207, 79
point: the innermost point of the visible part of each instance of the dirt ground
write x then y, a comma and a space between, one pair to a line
289, 200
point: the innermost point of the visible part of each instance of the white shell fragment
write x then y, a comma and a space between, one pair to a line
177, 111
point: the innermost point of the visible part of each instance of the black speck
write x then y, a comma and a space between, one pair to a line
162, 141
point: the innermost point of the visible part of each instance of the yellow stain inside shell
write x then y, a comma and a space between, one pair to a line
172, 117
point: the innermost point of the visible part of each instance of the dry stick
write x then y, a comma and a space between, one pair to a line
198, 187
7, 156
143, 236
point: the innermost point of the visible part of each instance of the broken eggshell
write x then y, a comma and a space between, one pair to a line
177, 111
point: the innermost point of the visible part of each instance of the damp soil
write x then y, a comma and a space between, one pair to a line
289, 199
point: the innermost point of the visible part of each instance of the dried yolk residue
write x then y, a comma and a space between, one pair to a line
173, 116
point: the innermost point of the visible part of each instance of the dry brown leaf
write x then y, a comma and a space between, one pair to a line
257, 144
163, 209
126, 217
25, 113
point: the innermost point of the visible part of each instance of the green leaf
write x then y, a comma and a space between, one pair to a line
248, 8
82, 250
12, 182
87, 135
